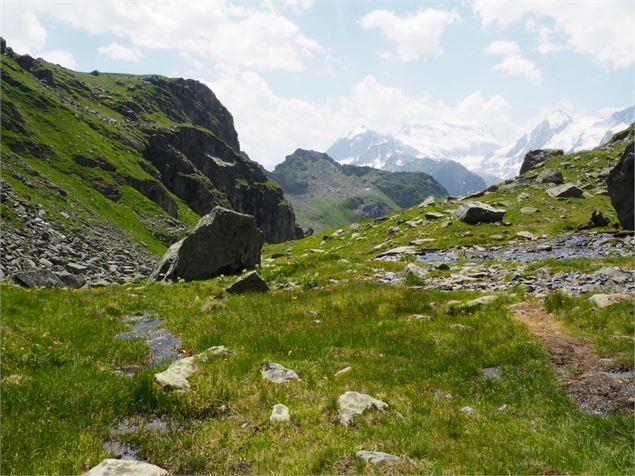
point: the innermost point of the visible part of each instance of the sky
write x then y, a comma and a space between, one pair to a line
301, 73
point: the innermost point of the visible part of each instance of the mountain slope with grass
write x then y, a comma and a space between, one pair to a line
327, 194
144, 156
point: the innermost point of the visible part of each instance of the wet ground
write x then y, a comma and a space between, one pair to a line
163, 344
579, 245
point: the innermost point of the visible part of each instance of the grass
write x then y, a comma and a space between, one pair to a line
63, 343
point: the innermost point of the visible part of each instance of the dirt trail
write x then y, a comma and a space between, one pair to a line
588, 378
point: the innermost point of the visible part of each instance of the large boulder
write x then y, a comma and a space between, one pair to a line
478, 212
34, 278
567, 190
535, 157
620, 187
249, 283
550, 176
223, 242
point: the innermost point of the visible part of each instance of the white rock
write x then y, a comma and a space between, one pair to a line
343, 371
376, 457
122, 467
467, 411
277, 373
280, 413
412, 269
606, 300
176, 375
351, 404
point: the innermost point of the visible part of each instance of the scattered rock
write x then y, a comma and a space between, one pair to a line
249, 283
620, 187
433, 215
345, 370
535, 157
280, 413
37, 278
400, 250
492, 373
413, 270
568, 190
351, 404
176, 375
606, 300
478, 212
376, 457
478, 301
427, 202
528, 210
550, 176
468, 411
223, 242
526, 235
121, 467
277, 373
598, 218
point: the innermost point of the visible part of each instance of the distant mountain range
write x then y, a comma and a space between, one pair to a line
464, 156
365, 147
559, 130
326, 194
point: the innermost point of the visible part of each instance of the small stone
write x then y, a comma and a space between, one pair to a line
376, 457
443, 267
277, 373
446, 224
492, 373
76, 268
433, 215
550, 176
479, 301
351, 404
249, 283
176, 375
526, 235
568, 190
468, 411
427, 202
528, 210
421, 317
606, 300
522, 196
345, 370
413, 270
477, 212
122, 467
280, 413
598, 218
503, 408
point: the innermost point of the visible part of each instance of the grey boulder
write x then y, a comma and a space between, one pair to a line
122, 467
478, 212
34, 278
550, 176
223, 242
620, 188
567, 190
249, 283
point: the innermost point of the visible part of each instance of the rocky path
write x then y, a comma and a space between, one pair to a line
590, 381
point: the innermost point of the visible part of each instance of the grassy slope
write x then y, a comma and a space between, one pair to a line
67, 356
221, 426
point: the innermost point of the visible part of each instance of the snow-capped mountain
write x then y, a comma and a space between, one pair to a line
365, 147
559, 130
463, 142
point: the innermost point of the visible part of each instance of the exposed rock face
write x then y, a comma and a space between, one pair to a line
478, 212
250, 283
536, 157
620, 184
223, 242
201, 169
122, 467
567, 190
550, 176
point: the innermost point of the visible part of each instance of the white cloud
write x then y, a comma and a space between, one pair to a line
21, 28
503, 48
416, 35
117, 51
61, 57
603, 31
254, 37
271, 126
184, 55
516, 65
298, 6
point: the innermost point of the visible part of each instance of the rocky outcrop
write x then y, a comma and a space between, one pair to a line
620, 184
478, 212
205, 172
223, 242
533, 158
